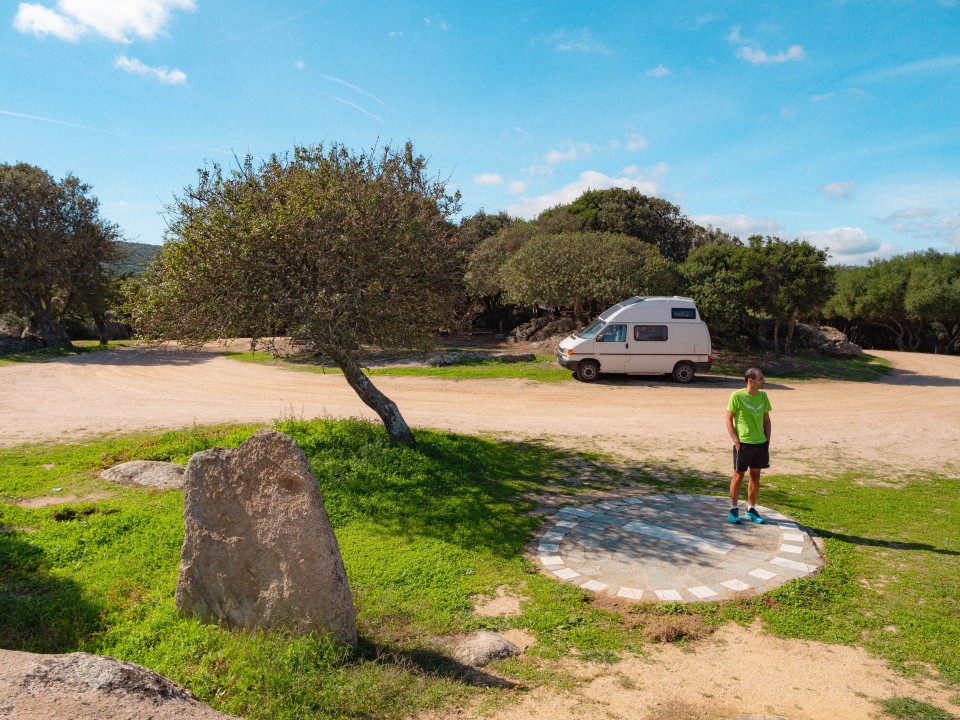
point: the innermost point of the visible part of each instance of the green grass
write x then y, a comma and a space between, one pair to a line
545, 369
422, 531
542, 369
803, 366
46, 354
903, 708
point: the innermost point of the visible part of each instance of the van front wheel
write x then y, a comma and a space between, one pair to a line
588, 370
683, 372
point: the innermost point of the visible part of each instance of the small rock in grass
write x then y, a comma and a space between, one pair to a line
482, 647
146, 473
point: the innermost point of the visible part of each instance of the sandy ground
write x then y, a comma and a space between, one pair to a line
906, 424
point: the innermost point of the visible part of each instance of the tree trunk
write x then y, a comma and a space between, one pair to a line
788, 338
776, 336
393, 421
53, 334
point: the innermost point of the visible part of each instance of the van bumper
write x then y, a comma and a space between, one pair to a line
703, 367
567, 362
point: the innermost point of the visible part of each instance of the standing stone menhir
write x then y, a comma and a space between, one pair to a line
259, 551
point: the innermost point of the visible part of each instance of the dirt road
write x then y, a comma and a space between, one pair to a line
908, 421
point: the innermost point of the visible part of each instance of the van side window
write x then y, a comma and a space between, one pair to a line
650, 332
683, 313
613, 333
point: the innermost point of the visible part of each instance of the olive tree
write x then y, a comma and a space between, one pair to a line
53, 248
340, 252
583, 269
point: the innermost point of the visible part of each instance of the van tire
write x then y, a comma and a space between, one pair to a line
683, 372
588, 370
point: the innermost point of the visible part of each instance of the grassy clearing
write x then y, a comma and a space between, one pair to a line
45, 354
545, 369
422, 532
542, 369
803, 366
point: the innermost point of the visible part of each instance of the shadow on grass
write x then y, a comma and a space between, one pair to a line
887, 544
430, 662
39, 612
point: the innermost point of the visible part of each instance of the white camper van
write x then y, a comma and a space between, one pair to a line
641, 336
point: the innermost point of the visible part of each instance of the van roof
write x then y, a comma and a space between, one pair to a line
674, 300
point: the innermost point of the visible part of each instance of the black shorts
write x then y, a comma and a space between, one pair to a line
751, 456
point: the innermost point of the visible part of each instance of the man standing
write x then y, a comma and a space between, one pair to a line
748, 423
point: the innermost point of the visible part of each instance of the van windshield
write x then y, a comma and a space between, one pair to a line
590, 330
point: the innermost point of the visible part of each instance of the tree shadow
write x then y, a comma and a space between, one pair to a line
898, 376
429, 661
143, 356
40, 612
661, 381
886, 544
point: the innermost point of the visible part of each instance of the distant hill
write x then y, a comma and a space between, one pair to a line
133, 258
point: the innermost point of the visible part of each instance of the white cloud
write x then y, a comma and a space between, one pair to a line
358, 90
734, 36
841, 190
759, 57
518, 187
742, 226
132, 65
583, 41
920, 67
589, 180
925, 223
842, 241
300, 65
636, 142
573, 151
116, 20
488, 179
660, 71
42, 21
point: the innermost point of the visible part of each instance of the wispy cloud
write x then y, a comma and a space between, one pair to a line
636, 142
437, 22
748, 51
760, 57
572, 151
488, 179
163, 74
840, 190
358, 90
589, 180
943, 63
583, 41
24, 116
926, 223
116, 20
741, 225
358, 108
660, 71
518, 187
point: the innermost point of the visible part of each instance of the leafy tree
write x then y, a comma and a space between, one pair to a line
715, 277
786, 280
53, 247
583, 270
342, 252
911, 295
629, 212
482, 278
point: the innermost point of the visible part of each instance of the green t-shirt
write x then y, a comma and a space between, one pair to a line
748, 411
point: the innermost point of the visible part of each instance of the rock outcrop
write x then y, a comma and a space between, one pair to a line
91, 687
828, 341
146, 473
482, 647
259, 551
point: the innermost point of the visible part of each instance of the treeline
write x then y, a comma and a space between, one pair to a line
63, 266
610, 244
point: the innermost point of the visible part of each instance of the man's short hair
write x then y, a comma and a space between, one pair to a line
752, 374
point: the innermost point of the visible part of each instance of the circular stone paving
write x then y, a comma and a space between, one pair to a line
674, 547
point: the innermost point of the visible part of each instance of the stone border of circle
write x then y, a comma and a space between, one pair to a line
791, 533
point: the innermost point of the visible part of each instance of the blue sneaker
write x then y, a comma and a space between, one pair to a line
755, 516
734, 516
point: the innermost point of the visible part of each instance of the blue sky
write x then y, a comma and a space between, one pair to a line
837, 122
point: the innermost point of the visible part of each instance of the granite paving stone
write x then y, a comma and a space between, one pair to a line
673, 547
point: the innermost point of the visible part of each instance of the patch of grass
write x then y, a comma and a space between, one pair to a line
542, 369
803, 366
422, 531
46, 354
904, 708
